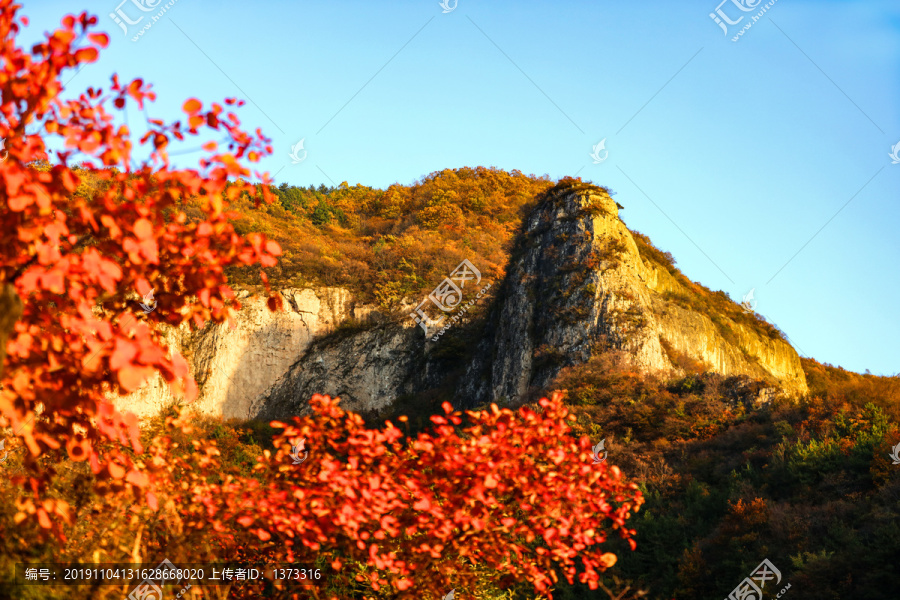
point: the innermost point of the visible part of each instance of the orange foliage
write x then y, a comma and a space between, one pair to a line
835, 386
67, 253
394, 243
511, 492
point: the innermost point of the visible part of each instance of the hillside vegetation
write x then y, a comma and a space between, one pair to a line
389, 244
808, 485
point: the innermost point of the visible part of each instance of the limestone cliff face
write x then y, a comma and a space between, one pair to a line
577, 284
695, 335
234, 367
368, 370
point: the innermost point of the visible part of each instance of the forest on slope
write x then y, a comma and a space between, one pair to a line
808, 485
702, 482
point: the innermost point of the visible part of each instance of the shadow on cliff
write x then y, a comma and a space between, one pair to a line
256, 370
379, 370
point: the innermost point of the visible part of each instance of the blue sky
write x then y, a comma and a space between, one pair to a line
761, 163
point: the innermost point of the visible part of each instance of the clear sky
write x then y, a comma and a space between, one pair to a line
761, 163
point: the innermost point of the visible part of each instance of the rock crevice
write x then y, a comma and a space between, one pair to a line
576, 284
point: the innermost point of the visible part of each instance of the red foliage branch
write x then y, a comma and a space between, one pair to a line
67, 254
512, 492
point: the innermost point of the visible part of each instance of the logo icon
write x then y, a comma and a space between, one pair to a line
450, 595
151, 589
895, 154
749, 303
752, 587
149, 303
743, 5
596, 153
296, 450
764, 572
296, 158
2, 446
895, 455
445, 4
448, 295
5, 154
597, 450
143, 5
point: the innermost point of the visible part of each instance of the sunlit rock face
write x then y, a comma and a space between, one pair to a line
234, 366
576, 284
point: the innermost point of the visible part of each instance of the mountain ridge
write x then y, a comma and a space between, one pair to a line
611, 287
618, 300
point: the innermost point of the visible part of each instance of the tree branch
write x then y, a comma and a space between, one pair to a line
10, 310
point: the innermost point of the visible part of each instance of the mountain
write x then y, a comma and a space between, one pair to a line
578, 283
579, 279
743, 451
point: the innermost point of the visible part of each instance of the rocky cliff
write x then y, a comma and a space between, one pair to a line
578, 282
236, 366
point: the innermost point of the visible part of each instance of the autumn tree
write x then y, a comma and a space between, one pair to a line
515, 493
79, 264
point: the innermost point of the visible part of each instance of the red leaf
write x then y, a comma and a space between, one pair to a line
116, 471
124, 353
86, 55
43, 519
131, 378
101, 39
192, 106
143, 229
273, 248
137, 478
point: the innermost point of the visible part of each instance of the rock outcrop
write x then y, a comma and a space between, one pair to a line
368, 370
236, 366
578, 283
